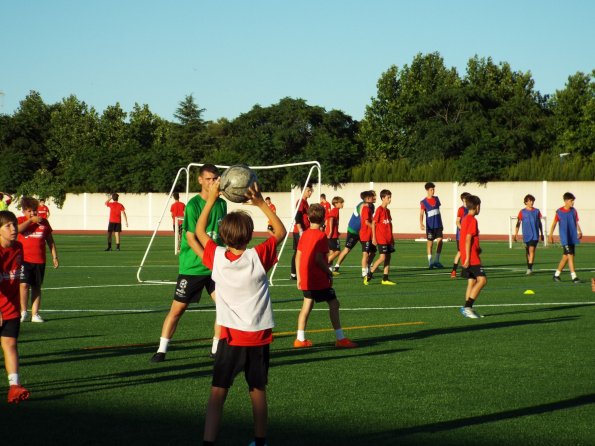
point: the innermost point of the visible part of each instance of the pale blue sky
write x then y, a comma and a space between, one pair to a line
233, 54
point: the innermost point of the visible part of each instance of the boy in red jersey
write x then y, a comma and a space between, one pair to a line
34, 234
11, 255
273, 208
42, 210
366, 232
243, 307
315, 280
116, 210
462, 211
301, 224
470, 251
332, 229
383, 231
177, 212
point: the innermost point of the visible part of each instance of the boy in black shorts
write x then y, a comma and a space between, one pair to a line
430, 207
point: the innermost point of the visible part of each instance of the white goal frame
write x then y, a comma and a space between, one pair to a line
315, 165
511, 227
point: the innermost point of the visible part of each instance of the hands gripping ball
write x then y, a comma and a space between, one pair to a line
235, 182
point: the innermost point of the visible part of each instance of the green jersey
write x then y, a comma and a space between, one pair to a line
190, 263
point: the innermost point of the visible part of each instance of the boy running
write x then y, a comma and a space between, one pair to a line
332, 230
430, 207
383, 227
530, 218
315, 280
11, 254
353, 226
570, 236
470, 251
243, 308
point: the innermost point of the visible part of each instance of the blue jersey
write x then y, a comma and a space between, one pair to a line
568, 226
355, 222
530, 219
433, 217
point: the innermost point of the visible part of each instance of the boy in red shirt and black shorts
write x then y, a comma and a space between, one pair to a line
11, 256
470, 251
332, 229
116, 210
366, 232
315, 279
383, 231
243, 306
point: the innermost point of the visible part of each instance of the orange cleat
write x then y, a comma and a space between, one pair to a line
302, 344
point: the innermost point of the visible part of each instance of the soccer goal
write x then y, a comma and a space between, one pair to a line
166, 262
512, 221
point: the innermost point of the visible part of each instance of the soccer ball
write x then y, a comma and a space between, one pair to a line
235, 182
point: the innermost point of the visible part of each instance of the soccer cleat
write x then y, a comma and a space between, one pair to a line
23, 316
345, 343
529, 272
17, 393
469, 312
431, 266
158, 357
576, 280
336, 273
336, 268
453, 274
37, 318
117, 249
557, 279
438, 265
293, 277
108, 249
388, 282
302, 344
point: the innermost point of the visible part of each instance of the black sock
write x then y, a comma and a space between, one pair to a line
259, 441
455, 266
385, 277
117, 246
530, 265
109, 245
469, 302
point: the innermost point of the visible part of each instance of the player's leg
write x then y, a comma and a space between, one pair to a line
573, 275
429, 249
530, 258
214, 412
24, 290
8, 341
110, 230
170, 324
301, 340
296, 239
216, 326
36, 303
455, 265
256, 371
117, 234
386, 270
561, 266
438, 241
333, 308
259, 412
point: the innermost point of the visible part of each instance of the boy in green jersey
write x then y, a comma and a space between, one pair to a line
193, 276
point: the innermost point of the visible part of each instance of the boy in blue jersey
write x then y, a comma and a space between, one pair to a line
570, 235
530, 218
430, 207
353, 227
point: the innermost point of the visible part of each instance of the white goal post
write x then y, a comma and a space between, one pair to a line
512, 226
187, 171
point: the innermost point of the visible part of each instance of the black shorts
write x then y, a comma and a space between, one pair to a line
386, 249
433, 234
334, 244
114, 227
368, 247
568, 249
351, 240
10, 328
473, 272
189, 288
325, 295
231, 360
532, 243
296, 240
32, 273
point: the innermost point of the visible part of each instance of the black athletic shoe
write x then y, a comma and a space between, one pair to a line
117, 249
557, 279
158, 357
212, 355
293, 277
576, 280
107, 249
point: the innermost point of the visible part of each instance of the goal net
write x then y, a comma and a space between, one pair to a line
160, 262
512, 222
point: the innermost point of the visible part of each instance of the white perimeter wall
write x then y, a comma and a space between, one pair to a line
499, 201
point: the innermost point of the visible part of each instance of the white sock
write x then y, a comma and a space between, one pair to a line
430, 259
163, 343
573, 275
557, 273
337, 265
339, 334
13, 379
437, 258
301, 335
364, 272
214, 346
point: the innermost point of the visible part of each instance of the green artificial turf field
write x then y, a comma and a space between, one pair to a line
423, 374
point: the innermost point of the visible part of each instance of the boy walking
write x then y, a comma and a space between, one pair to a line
243, 308
34, 234
530, 218
332, 230
314, 279
353, 226
11, 253
116, 210
570, 235
430, 207
366, 233
461, 212
470, 251
383, 227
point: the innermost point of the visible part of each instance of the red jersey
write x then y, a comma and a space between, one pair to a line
11, 259
469, 226
115, 211
312, 277
366, 215
267, 253
384, 226
177, 210
327, 208
34, 239
303, 210
332, 230
42, 211
273, 208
